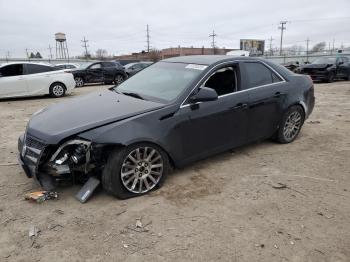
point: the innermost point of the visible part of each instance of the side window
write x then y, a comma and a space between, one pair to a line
258, 74
107, 64
11, 70
223, 81
95, 66
35, 69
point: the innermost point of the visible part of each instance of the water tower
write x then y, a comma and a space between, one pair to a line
61, 46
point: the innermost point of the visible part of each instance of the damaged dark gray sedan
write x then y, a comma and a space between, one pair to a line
172, 113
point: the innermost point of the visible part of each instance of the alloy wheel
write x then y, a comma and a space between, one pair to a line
58, 90
142, 170
79, 81
119, 79
292, 126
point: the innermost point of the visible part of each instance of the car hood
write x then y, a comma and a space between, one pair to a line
62, 120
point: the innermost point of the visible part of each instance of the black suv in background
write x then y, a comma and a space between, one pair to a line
99, 72
327, 69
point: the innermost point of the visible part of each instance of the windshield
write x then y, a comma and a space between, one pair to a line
129, 65
162, 81
85, 65
325, 60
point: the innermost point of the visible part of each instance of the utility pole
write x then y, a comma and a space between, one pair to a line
7, 56
85, 41
333, 46
282, 27
213, 35
27, 53
270, 40
50, 50
307, 49
147, 38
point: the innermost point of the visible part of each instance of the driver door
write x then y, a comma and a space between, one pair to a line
215, 126
94, 73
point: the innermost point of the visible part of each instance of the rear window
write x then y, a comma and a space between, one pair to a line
12, 70
36, 69
259, 74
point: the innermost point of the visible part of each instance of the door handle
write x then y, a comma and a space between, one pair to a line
240, 106
278, 94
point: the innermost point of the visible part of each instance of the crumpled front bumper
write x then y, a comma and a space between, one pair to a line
28, 167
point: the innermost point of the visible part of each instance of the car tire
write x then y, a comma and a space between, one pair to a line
57, 90
79, 81
290, 125
118, 79
331, 77
129, 173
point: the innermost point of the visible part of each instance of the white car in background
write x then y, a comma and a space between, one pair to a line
34, 79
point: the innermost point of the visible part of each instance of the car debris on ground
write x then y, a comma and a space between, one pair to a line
41, 196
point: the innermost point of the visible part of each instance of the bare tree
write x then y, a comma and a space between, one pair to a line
101, 54
154, 55
318, 47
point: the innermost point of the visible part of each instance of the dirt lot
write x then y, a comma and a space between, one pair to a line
221, 209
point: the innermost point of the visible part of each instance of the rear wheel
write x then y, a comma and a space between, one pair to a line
290, 125
135, 170
79, 82
57, 90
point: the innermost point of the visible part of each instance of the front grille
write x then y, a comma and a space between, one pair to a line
34, 148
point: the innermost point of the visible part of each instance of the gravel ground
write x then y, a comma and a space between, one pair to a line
226, 208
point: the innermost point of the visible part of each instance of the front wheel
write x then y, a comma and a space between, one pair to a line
118, 79
331, 77
79, 82
57, 90
135, 170
290, 125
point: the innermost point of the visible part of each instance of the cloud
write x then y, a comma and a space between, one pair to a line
120, 26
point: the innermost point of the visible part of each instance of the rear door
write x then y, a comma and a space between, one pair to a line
12, 82
266, 92
38, 78
343, 67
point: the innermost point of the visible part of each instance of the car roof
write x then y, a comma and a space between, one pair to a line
206, 59
31, 63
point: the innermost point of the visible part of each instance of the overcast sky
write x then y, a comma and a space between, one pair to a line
120, 26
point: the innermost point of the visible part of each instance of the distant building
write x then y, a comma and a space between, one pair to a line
173, 52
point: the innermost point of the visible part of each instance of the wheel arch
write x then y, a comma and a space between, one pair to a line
107, 148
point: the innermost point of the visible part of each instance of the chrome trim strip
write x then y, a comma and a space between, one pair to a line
36, 151
237, 92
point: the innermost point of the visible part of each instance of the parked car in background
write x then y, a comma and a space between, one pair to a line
67, 66
33, 79
327, 69
99, 72
170, 114
133, 68
292, 66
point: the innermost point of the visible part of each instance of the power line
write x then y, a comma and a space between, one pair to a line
282, 27
85, 41
147, 38
213, 35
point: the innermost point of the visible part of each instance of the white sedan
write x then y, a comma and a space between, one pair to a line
33, 79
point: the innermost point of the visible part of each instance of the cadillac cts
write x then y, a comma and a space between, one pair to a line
172, 113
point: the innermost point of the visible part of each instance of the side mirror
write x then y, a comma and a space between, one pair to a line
204, 94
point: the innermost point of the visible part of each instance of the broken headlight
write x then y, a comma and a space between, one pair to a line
73, 151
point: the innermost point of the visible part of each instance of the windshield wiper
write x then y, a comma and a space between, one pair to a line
133, 95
